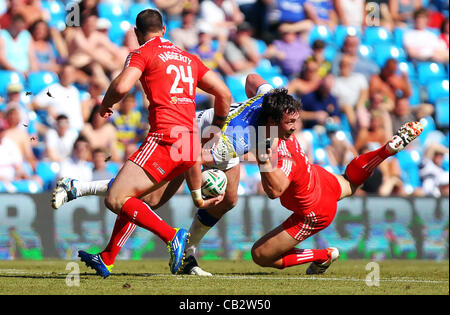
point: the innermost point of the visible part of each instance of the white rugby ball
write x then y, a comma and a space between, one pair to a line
214, 182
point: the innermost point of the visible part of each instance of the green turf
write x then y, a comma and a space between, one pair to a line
230, 278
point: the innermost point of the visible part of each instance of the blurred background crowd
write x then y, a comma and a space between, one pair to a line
361, 69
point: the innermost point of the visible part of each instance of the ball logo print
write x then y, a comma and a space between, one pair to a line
214, 182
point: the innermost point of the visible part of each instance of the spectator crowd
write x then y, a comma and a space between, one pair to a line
361, 68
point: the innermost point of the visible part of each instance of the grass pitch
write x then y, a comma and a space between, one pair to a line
152, 277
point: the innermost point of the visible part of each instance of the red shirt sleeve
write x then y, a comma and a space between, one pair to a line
285, 162
136, 59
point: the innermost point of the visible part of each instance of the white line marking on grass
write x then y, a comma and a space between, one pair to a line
328, 279
242, 277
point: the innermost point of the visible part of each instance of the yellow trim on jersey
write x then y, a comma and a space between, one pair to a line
227, 142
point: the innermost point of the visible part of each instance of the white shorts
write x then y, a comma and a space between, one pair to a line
224, 155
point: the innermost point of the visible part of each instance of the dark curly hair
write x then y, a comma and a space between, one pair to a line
276, 103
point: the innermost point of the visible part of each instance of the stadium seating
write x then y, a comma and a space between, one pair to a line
47, 171
408, 68
117, 31
27, 186
415, 98
428, 71
409, 161
236, 84
342, 32
137, 7
442, 112
376, 35
7, 77
330, 52
56, 10
437, 89
321, 32
37, 81
366, 51
385, 51
114, 12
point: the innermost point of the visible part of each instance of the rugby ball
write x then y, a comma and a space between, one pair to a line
214, 182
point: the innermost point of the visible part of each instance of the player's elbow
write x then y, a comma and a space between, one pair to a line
121, 88
272, 193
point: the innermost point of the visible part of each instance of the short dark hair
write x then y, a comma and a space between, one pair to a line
149, 21
61, 116
419, 12
81, 138
276, 103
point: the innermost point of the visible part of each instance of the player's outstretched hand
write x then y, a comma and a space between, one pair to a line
211, 202
105, 112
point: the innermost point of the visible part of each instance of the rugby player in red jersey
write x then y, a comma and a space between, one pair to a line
309, 190
169, 77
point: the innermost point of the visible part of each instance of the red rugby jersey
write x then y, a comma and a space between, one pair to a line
169, 78
303, 194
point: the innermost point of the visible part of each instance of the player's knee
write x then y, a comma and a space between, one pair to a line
260, 258
113, 203
229, 201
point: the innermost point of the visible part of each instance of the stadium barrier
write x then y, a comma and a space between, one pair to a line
364, 227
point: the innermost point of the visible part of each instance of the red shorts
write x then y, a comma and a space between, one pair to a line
163, 160
302, 226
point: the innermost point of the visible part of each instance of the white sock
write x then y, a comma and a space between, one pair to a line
97, 188
198, 231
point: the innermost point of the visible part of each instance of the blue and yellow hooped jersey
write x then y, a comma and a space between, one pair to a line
241, 127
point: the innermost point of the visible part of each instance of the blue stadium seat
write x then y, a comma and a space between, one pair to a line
437, 89
56, 10
114, 12
236, 84
442, 112
398, 34
343, 31
408, 68
321, 156
376, 35
409, 164
366, 51
385, 51
117, 31
330, 52
113, 167
415, 98
277, 80
320, 32
428, 71
265, 67
7, 77
27, 186
37, 81
428, 126
137, 7
48, 171
261, 46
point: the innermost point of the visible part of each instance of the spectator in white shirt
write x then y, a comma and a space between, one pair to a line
78, 165
61, 98
351, 90
422, 44
10, 158
59, 141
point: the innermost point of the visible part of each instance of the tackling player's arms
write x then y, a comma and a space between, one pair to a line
252, 83
212, 84
273, 180
118, 88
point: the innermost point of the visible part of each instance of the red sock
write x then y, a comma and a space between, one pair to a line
120, 234
138, 212
361, 167
302, 256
